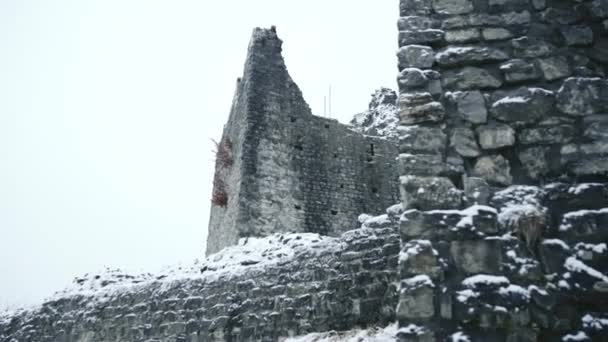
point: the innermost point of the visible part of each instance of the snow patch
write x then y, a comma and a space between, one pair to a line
416, 247
412, 329
511, 99
459, 337
599, 248
418, 281
580, 188
556, 242
464, 295
572, 264
382, 117
485, 279
579, 336
249, 254
595, 323
512, 289
518, 201
356, 335
453, 51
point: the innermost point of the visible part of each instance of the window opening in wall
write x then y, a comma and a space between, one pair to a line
371, 149
293, 119
326, 125
334, 212
374, 190
335, 155
299, 147
297, 207
341, 186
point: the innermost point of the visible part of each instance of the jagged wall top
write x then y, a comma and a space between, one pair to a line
293, 171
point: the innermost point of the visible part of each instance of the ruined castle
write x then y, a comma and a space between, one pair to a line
484, 184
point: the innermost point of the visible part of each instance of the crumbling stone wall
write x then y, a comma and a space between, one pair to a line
495, 93
293, 171
511, 91
300, 283
485, 274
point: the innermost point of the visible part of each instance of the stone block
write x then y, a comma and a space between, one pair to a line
518, 70
419, 257
422, 165
586, 159
595, 127
412, 226
580, 96
452, 6
525, 47
463, 35
525, 105
560, 16
417, 23
415, 56
419, 37
507, 5
539, 4
495, 169
496, 33
470, 105
469, 78
411, 78
455, 164
416, 298
423, 140
535, 161
590, 226
476, 256
521, 19
598, 8
523, 335
434, 86
554, 68
417, 108
494, 136
552, 254
414, 7
547, 134
476, 190
464, 143
428, 193
577, 35
469, 55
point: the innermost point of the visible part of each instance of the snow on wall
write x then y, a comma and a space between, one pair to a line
263, 288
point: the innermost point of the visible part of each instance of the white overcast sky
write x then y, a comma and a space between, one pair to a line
108, 108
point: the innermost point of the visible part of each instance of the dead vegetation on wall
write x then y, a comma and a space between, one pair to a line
223, 163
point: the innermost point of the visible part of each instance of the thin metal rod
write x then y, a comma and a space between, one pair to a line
330, 101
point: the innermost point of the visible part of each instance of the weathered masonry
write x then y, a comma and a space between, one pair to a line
293, 171
296, 284
502, 230
495, 93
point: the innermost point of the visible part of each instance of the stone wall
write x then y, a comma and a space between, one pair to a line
263, 289
512, 91
495, 93
495, 273
293, 171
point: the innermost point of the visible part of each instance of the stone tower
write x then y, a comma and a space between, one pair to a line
286, 169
